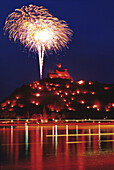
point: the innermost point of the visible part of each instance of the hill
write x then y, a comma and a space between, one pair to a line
59, 98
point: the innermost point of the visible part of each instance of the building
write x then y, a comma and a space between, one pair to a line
59, 73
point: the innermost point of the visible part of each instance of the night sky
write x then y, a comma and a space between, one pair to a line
91, 52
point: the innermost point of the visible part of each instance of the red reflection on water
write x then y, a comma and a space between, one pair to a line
36, 149
17, 146
95, 141
80, 151
80, 160
67, 149
57, 147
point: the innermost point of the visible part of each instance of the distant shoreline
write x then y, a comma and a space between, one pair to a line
105, 124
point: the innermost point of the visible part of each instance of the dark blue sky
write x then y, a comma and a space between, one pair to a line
91, 52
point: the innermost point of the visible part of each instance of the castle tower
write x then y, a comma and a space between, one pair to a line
59, 73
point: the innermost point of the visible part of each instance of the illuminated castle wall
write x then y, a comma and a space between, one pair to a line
59, 73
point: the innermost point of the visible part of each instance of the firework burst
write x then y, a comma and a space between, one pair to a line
37, 29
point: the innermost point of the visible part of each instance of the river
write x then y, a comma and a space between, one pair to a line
57, 147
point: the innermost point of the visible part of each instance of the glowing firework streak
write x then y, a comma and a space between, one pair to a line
38, 30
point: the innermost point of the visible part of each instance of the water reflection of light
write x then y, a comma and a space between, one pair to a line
56, 138
66, 133
95, 134
4, 134
89, 137
113, 140
26, 138
53, 134
76, 132
4, 131
81, 151
11, 141
41, 136
37, 134
99, 137
67, 150
17, 146
77, 142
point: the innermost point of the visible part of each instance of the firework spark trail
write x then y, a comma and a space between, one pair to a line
38, 30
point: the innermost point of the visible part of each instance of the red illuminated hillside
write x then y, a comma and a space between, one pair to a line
58, 96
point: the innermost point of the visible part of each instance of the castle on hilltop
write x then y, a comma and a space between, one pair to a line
59, 73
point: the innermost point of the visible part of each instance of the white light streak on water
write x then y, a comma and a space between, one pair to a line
99, 137
53, 134
26, 138
56, 139
66, 133
41, 136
